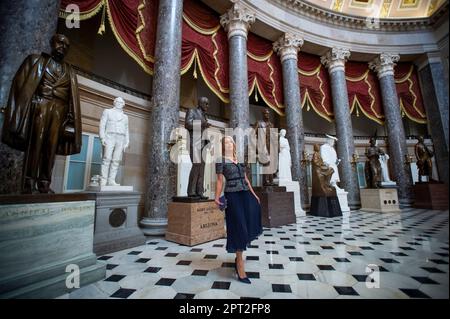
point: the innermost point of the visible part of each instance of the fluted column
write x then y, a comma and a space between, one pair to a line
236, 21
164, 115
287, 47
384, 66
26, 27
335, 60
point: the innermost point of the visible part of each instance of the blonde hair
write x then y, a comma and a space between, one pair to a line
234, 146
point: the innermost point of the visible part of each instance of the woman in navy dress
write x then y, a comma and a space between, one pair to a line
243, 210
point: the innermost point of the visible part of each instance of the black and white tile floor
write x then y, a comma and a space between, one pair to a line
314, 258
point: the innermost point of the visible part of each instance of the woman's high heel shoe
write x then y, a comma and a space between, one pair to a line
244, 280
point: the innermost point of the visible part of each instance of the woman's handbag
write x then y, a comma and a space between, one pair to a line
223, 203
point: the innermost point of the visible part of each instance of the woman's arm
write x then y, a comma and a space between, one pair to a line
250, 187
219, 187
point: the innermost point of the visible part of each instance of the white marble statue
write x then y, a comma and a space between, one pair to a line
384, 169
329, 156
284, 158
114, 135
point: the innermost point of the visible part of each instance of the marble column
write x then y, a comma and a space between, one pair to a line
335, 60
27, 27
435, 93
287, 47
236, 21
164, 115
383, 65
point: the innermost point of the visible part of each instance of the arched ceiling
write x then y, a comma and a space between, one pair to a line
385, 9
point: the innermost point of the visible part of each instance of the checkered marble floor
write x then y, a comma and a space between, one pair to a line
314, 258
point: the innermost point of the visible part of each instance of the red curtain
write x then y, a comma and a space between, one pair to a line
408, 90
363, 91
264, 72
205, 48
314, 85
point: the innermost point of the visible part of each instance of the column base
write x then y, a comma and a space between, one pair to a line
153, 226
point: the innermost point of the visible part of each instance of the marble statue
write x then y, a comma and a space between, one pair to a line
424, 162
373, 168
263, 127
329, 156
196, 146
42, 116
322, 174
114, 135
385, 169
284, 158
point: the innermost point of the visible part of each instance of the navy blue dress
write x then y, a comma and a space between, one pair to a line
243, 212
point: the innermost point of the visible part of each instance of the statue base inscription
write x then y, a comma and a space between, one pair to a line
431, 195
194, 223
116, 220
379, 200
343, 200
325, 206
45, 239
277, 206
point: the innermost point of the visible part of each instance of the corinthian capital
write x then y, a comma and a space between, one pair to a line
384, 64
287, 46
335, 59
237, 20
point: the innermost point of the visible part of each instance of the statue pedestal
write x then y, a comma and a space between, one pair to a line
41, 236
325, 206
107, 188
277, 206
379, 200
193, 223
294, 187
343, 200
431, 195
116, 221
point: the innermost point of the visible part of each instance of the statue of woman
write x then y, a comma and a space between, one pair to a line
284, 159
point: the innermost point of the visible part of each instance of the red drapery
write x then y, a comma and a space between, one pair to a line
363, 91
408, 90
205, 48
314, 85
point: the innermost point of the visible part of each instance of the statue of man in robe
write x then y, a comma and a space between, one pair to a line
42, 115
373, 167
262, 129
330, 158
424, 162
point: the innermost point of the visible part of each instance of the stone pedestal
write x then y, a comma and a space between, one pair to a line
193, 223
116, 218
325, 206
431, 195
107, 188
277, 206
343, 200
41, 235
379, 200
294, 187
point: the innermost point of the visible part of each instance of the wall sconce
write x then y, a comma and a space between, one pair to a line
306, 159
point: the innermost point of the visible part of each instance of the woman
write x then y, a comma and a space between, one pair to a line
243, 210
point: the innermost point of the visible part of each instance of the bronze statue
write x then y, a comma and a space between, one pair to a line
424, 163
373, 165
264, 127
321, 175
42, 115
196, 176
